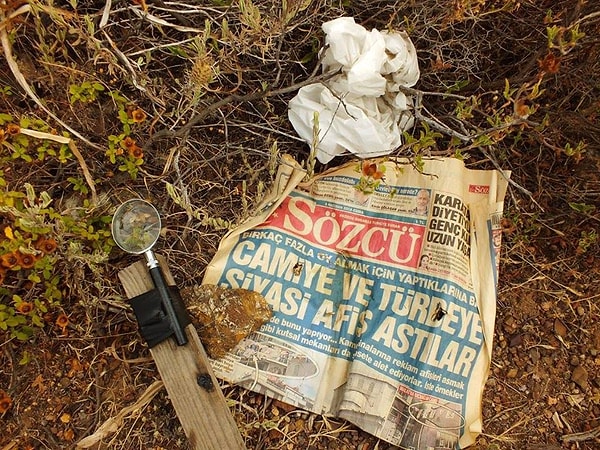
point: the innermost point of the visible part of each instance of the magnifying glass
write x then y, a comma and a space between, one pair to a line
135, 228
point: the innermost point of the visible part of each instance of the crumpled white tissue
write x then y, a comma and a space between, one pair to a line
361, 109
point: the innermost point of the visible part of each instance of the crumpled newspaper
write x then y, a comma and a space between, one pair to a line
361, 109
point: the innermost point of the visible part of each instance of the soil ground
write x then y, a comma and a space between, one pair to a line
204, 98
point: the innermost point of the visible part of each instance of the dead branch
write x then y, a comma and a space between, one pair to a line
582, 436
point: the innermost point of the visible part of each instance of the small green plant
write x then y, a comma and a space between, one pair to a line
123, 149
426, 140
583, 208
79, 185
464, 108
586, 240
575, 152
291, 8
32, 256
85, 92
250, 15
25, 148
372, 175
563, 38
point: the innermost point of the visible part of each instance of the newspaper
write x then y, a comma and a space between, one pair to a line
382, 279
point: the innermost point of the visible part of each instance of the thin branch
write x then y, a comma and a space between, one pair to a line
120, 55
438, 125
583, 436
419, 93
594, 15
158, 21
433, 122
199, 117
513, 183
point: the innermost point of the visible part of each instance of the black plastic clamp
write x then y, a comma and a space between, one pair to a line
153, 321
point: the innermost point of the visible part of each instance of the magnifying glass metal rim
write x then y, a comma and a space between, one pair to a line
117, 216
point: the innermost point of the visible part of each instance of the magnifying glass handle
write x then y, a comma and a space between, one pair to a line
161, 287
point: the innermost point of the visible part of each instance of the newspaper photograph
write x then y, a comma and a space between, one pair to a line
382, 280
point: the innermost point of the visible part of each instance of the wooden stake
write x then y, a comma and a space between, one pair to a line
188, 377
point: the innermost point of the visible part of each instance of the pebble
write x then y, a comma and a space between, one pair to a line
560, 328
510, 324
580, 377
534, 354
516, 340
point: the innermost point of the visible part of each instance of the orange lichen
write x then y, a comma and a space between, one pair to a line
25, 260
62, 321
25, 307
550, 63
9, 260
371, 170
13, 128
46, 245
138, 116
5, 402
128, 142
136, 152
368, 168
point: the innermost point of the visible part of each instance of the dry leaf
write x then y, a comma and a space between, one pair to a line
69, 434
580, 377
39, 383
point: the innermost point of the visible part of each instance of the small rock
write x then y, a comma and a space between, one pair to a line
547, 306
596, 338
574, 361
580, 377
580, 310
560, 328
515, 340
512, 373
510, 325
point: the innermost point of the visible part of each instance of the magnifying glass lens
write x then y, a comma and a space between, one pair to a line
136, 226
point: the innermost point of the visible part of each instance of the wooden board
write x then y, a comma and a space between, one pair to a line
203, 412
